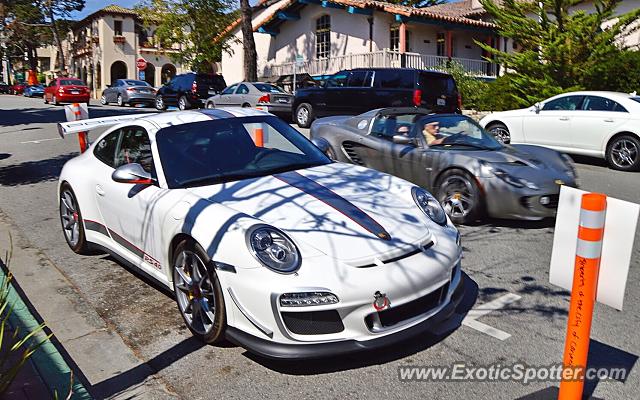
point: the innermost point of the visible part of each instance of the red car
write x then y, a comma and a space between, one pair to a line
66, 90
18, 88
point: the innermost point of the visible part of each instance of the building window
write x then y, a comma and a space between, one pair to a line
441, 45
394, 38
323, 36
117, 28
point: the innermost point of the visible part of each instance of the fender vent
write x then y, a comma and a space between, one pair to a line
349, 150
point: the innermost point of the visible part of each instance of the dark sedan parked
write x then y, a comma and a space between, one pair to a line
128, 91
468, 171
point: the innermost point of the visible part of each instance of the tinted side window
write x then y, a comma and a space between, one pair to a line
566, 103
230, 89
597, 103
387, 126
394, 79
242, 89
135, 147
440, 84
105, 149
356, 78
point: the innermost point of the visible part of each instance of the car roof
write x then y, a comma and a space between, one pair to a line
603, 93
400, 69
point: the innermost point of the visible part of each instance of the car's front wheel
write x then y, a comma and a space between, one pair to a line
623, 153
210, 105
198, 292
304, 115
500, 132
160, 104
103, 100
460, 196
71, 219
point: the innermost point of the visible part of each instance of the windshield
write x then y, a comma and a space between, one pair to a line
455, 131
268, 88
64, 82
635, 99
136, 83
225, 150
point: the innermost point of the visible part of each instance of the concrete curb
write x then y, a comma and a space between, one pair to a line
47, 360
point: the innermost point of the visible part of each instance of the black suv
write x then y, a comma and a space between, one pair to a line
352, 92
189, 90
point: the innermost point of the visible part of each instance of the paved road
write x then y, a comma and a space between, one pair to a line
501, 257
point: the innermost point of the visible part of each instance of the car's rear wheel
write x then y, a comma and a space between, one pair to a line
71, 219
198, 292
623, 153
160, 105
183, 103
500, 132
460, 196
120, 101
103, 100
210, 105
304, 115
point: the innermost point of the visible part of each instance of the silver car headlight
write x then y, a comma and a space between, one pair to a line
429, 205
273, 249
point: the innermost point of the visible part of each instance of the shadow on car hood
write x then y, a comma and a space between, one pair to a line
343, 211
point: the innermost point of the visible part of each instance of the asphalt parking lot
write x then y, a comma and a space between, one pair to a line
505, 262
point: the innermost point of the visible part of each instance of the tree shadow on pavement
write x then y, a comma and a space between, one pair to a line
55, 114
30, 172
379, 356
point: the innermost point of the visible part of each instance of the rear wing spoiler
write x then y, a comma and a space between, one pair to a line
86, 125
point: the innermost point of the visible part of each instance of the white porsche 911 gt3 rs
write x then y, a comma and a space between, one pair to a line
263, 239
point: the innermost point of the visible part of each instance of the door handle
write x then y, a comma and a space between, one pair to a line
100, 190
564, 118
608, 120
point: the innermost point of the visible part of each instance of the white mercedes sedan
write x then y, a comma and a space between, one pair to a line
597, 124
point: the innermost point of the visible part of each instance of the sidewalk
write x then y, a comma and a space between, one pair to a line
98, 356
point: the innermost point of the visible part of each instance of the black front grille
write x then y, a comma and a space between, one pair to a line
351, 153
394, 315
313, 322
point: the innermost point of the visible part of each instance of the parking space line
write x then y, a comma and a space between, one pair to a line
40, 140
484, 309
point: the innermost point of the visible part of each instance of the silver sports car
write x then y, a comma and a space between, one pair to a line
264, 96
470, 173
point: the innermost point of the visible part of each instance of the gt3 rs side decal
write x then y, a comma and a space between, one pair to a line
334, 201
98, 227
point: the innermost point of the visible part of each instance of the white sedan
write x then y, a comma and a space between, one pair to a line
264, 240
598, 124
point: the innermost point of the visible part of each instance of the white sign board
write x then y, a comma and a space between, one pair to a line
617, 245
70, 111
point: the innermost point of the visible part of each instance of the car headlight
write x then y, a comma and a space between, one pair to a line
568, 162
429, 205
273, 249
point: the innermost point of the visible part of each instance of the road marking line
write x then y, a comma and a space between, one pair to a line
40, 140
484, 309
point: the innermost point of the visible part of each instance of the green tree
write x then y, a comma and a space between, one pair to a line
194, 25
54, 11
26, 29
559, 49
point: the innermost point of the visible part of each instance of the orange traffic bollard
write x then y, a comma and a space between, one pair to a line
83, 137
583, 295
258, 137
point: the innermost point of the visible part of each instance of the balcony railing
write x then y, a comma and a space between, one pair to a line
379, 59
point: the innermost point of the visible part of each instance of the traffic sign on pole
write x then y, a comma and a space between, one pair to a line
141, 63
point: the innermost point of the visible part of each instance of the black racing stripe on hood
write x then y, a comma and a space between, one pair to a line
334, 201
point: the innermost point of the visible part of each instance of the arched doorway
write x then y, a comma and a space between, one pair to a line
150, 74
118, 71
167, 73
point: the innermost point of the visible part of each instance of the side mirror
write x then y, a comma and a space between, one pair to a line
401, 139
536, 107
108, 86
132, 173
